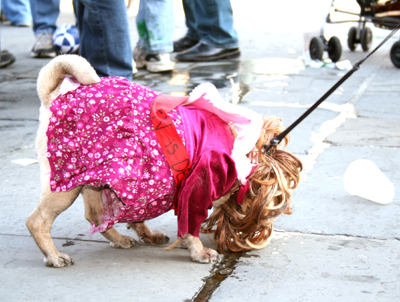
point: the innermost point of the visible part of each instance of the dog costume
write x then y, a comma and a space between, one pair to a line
102, 135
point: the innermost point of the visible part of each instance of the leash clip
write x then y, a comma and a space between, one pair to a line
273, 142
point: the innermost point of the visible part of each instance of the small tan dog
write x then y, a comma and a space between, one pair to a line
237, 226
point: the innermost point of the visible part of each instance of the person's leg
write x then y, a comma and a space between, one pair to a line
17, 11
188, 7
214, 20
104, 37
155, 25
75, 4
44, 15
191, 37
214, 25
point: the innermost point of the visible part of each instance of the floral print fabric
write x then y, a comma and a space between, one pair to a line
102, 135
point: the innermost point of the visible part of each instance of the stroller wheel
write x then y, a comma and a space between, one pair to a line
366, 38
395, 54
334, 49
316, 48
352, 38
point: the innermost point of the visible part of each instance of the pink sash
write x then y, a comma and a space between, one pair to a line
169, 139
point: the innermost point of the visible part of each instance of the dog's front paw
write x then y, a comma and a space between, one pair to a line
60, 260
197, 251
206, 256
125, 242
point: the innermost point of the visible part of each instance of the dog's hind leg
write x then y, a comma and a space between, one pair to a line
93, 211
40, 221
146, 234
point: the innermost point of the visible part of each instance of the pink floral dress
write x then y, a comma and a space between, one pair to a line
102, 135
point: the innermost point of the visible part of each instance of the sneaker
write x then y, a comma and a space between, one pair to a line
43, 47
3, 18
6, 58
21, 24
154, 63
134, 69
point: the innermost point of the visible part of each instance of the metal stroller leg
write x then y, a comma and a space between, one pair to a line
360, 35
383, 14
319, 44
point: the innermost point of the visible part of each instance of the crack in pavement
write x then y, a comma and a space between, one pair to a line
19, 120
220, 271
335, 234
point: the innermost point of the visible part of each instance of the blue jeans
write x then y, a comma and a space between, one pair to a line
104, 36
17, 11
155, 25
211, 22
44, 15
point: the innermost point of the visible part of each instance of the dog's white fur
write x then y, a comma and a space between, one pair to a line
51, 204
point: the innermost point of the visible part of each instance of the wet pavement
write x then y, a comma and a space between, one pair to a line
334, 247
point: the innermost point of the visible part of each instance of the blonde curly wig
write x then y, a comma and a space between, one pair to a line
247, 226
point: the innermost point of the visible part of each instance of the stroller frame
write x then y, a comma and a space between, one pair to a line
386, 16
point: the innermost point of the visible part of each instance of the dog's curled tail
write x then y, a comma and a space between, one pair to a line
53, 73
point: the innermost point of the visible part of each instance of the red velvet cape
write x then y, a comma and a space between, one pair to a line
209, 143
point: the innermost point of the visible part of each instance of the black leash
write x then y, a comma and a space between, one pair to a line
277, 139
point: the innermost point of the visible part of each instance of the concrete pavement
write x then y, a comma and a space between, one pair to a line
335, 247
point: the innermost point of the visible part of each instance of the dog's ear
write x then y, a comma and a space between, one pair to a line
51, 75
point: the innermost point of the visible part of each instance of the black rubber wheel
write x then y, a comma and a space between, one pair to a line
316, 48
352, 38
334, 49
366, 38
395, 54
